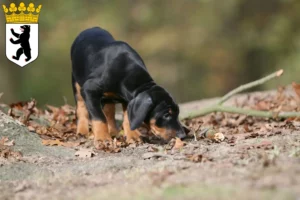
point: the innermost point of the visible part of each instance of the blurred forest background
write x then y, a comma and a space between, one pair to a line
194, 48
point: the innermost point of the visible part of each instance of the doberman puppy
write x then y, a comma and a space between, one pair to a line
105, 72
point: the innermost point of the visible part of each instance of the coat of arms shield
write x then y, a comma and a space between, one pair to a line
22, 33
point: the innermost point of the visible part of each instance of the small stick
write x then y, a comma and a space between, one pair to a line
195, 132
249, 85
218, 107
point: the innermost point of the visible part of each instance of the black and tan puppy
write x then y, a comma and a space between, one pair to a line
106, 71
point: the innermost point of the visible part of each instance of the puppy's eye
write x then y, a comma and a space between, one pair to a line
167, 116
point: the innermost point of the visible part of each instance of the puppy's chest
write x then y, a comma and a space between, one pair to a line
112, 97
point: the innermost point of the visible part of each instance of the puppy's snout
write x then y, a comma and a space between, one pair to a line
180, 134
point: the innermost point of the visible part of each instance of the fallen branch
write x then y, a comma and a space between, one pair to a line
219, 107
249, 85
236, 110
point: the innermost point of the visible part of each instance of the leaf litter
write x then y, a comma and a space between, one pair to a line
57, 125
6, 151
85, 153
211, 160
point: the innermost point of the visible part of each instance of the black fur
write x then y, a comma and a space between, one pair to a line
24, 41
100, 64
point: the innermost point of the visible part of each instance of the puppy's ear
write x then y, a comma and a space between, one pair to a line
138, 109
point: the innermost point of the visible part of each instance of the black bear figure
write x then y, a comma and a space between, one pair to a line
24, 41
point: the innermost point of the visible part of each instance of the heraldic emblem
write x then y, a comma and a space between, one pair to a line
22, 33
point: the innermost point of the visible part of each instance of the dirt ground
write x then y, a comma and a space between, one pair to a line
259, 159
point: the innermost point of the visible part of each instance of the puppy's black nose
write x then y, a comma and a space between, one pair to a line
180, 134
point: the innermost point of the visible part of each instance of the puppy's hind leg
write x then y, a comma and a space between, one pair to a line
92, 95
81, 111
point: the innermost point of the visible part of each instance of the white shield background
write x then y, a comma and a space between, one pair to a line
11, 48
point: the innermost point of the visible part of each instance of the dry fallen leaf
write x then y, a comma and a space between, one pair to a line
16, 154
152, 149
68, 109
85, 153
198, 158
53, 109
29, 110
9, 143
111, 146
263, 105
217, 137
296, 88
178, 144
247, 128
5, 142
31, 104
31, 128
195, 157
19, 105
269, 127
59, 143
52, 142
8, 153
70, 144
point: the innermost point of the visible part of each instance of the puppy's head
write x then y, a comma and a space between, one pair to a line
156, 108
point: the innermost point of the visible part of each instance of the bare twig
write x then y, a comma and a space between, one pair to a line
249, 112
218, 107
250, 85
29, 111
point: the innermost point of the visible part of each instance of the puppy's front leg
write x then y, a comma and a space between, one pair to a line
92, 94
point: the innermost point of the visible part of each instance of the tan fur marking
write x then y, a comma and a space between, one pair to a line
131, 136
110, 95
100, 130
109, 111
81, 114
162, 132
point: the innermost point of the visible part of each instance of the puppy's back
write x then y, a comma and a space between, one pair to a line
91, 39
84, 51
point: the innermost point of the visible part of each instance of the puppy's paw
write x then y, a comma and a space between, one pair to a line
83, 129
114, 132
102, 137
133, 137
102, 143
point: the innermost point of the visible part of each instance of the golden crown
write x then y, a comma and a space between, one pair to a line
21, 17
